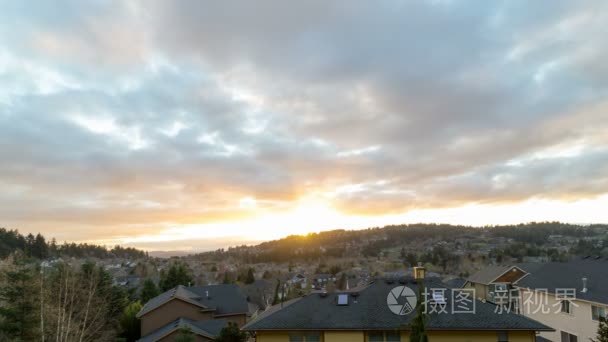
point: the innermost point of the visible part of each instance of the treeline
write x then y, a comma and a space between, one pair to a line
36, 246
371, 242
538, 233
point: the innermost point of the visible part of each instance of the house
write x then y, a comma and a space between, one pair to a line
568, 296
130, 281
203, 330
383, 311
260, 292
298, 279
321, 280
495, 284
205, 310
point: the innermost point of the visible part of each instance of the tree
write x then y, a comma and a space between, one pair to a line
178, 274
602, 331
276, 299
342, 282
250, 277
19, 296
81, 304
149, 290
418, 325
129, 323
335, 269
227, 279
185, 335
40, 249
231, 333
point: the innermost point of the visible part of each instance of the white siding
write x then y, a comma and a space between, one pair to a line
578, 323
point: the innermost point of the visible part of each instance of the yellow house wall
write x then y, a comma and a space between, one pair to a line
478, 336
344, 336
434, 336
272, 337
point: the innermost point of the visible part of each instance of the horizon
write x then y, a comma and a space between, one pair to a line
253, 243
176, 126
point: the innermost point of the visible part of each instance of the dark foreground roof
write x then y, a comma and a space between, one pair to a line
369, 311
569, 275
209, 328
224, 299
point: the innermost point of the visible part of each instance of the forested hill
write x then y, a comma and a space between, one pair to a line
36, 246
531, 239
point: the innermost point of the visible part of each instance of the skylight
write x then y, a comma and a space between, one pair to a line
343, 299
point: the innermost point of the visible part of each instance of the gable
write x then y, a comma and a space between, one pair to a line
510, 276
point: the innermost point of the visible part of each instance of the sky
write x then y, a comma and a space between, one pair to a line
194, 125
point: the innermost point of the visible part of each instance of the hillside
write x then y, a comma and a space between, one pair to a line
550, 240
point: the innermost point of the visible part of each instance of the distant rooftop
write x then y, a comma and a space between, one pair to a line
566, 275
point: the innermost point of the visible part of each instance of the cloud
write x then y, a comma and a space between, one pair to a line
128, 118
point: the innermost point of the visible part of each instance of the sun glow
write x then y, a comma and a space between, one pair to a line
314, 214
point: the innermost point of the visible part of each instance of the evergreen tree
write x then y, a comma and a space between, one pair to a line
30, 239
342, 282
418, 325
231, 333
19, 296
178, 274
227, 279
602, 331
276, 299
148, 291
53, 248
40, 249
129, 323
250, 277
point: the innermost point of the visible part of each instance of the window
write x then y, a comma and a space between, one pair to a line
384, 336
393, 336
502, 336
305, 337
296, 338
313, 338
567, 337
500, 287
566, 307
597, 312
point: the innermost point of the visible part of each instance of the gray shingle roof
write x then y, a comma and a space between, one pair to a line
369, 311
456, 283
488, 274
223, 299
569, 275
209, 328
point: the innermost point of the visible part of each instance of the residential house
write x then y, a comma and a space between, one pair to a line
495, 284
205, 310
298, 280
320, 281
383, 311
568, 296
